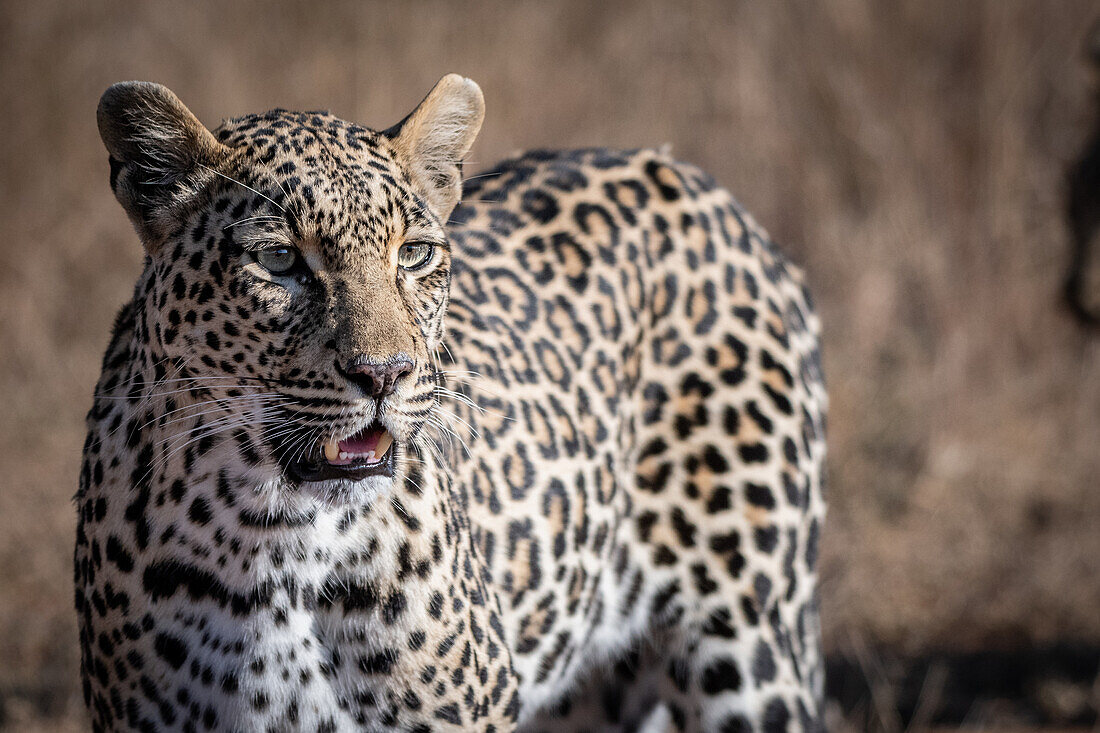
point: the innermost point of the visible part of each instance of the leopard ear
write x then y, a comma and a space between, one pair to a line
436, 136
160, 154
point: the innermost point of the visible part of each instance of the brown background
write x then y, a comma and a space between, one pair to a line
912, 159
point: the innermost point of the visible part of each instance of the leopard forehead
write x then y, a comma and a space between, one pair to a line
339, 187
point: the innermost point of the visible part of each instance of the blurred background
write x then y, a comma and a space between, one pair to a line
912, 157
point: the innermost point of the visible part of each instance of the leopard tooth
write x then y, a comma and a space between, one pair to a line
383, 445
332, 450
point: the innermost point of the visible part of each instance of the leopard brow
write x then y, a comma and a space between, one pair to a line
418, 228
254, 238
413, 236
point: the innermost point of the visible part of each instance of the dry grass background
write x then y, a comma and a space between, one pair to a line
910, 156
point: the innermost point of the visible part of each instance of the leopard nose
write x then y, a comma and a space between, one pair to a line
377, 379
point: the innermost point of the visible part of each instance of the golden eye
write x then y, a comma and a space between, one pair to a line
413, 255
277, 260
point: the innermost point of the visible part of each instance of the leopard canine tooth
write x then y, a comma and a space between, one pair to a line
332, 450
383, 444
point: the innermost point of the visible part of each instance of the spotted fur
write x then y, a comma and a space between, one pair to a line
606, 502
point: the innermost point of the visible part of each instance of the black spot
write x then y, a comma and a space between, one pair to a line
449, 713
766, 538
715, 461
731, 420
759, 495
776, 716
746, 314
664, 597
790, 452
762, 586
721, 675
656, 481
170, 649
352, 596
781, 402
762, 421
435, 605
199, 512
720, 500
165, 578
380, 663
704, 584
753, 452
719, 624
117, 554
812, 541
722, 543
395, 606
539, 205
654, 170
763, 663
662, 555
179, 286
685, 530
645, 522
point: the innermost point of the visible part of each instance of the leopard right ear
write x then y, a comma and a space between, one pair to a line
161, 155
436, 136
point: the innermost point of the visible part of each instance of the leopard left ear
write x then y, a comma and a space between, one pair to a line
160, 154
436, 136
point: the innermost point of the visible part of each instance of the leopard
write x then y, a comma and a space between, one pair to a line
377, 445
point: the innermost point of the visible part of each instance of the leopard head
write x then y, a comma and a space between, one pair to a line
297, 269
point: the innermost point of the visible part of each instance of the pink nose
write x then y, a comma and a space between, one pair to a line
378, 380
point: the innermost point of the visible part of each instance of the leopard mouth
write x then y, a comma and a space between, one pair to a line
370, 452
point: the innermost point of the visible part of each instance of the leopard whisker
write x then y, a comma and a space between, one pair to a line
220, 408
218, 400
189, 438
245, 185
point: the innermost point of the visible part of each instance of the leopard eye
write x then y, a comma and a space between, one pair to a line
278, 260
413, 255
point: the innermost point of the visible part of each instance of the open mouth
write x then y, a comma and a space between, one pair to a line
367, 453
